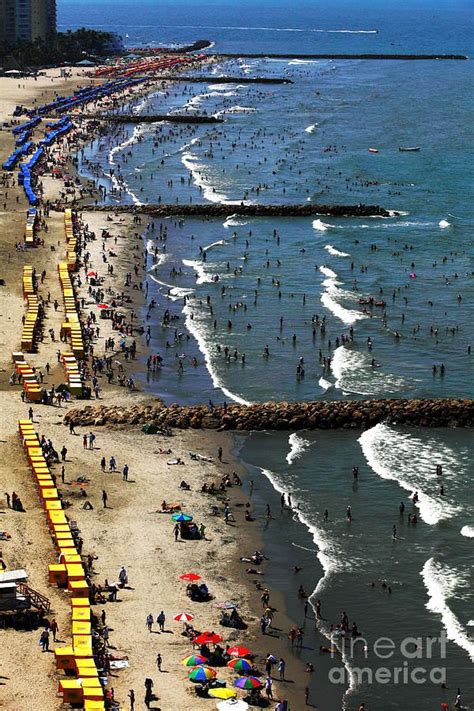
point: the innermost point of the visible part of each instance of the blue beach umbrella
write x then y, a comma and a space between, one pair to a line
181, 517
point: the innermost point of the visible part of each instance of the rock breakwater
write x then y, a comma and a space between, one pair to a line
340, 414
235, 79
250, 210
154, 118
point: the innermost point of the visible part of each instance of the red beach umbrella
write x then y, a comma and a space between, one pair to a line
91, 273
239, 651
207, 638
102, 306
192, 577
183, 617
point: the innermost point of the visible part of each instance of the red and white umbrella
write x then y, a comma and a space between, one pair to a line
183, 617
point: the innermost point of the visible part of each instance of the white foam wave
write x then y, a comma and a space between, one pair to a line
234, 221
467, 531
324, 384
202, 276
298, 446
441, 582
332, 293
190, 161
236, 110
335, 252
303, 61
173, 292
408, 460
328, 553
321, 226
328, 272
312, 128
354, 374
219, 243
193, 326
444, 224
224, 87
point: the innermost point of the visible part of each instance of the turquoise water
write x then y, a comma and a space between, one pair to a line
309, 141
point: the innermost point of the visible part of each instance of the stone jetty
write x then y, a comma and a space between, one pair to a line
248, 210
154, 118
213, 79
338, 414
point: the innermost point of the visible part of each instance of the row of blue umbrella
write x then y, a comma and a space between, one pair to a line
14, 157
26, 126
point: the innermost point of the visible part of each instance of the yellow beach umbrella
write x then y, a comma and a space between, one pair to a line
222, 693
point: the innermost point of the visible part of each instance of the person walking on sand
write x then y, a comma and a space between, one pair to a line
131, 696
176, 532
84, 441
219, 454
292, 635
112, 464
268, 687
158, 661
306, 696
148, 691
54, 629
44, 640
161, 621
299, 637
149, 621
281, 668
125, 472
104, 498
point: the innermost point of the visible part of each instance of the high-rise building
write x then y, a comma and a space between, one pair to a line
7, 22
27, 20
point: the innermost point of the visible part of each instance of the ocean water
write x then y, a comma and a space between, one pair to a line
257, 300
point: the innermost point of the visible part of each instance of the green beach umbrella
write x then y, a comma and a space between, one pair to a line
181, 517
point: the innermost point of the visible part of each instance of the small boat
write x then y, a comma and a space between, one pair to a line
373, 150
413, 149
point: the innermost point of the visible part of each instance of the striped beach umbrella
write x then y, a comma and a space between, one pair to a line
240, 665
202, 673
194, 660
183, 617
181, 518
248, 682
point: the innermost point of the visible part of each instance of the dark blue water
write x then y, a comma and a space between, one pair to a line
246, 26
295, 285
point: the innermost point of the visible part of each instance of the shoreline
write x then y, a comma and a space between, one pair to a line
95, 535
251, 536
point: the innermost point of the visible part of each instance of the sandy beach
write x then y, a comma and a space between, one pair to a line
130, 531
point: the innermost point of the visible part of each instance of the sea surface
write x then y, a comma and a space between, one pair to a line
273, 309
